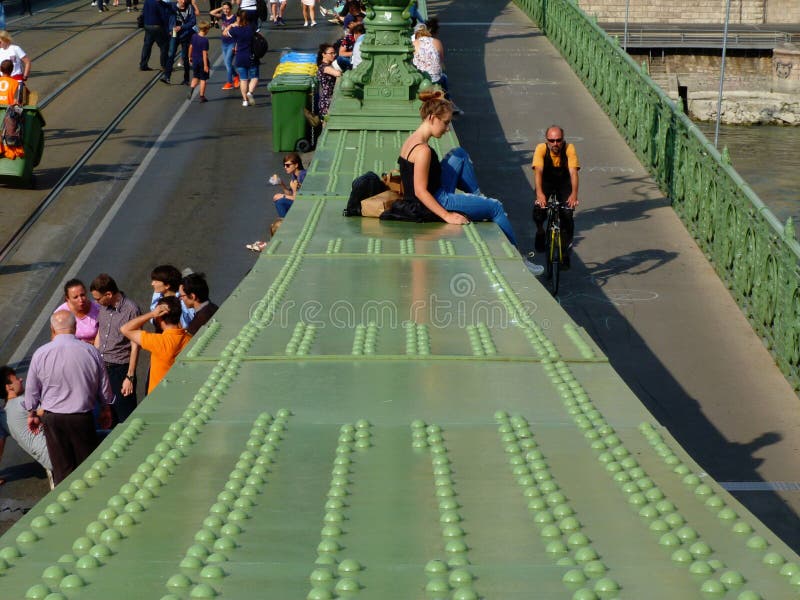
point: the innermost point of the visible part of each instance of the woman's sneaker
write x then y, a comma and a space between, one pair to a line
250, 99
532, 266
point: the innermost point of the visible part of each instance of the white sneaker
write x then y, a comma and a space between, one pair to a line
305, 24
313, 23
532, 266
250, 99
245, 104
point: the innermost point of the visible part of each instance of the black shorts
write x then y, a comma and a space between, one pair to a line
198, 72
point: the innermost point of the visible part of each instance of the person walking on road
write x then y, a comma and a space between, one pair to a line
226, 18
246, 63
66, 379
154, 17
182, 25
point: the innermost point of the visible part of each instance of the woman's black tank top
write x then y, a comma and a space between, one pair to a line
407, 175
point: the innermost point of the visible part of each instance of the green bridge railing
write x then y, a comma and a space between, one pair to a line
753, 253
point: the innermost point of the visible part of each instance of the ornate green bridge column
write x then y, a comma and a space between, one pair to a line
386, 82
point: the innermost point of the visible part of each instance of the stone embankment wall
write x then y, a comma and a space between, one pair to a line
783, 11
685, 11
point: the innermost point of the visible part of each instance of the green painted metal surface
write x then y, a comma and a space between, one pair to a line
415, 418
393, 411
755, 255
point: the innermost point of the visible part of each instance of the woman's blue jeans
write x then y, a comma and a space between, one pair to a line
459, 173
282, 205
227, 57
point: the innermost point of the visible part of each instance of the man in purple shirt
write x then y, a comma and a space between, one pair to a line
65, 380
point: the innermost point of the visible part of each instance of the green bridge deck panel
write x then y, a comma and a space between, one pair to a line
391, 519
337, 293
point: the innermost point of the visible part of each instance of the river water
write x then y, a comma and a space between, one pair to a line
768, 159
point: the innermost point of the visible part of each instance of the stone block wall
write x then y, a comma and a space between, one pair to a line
783, 11
683, 11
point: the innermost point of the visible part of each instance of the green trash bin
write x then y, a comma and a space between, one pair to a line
292, 94
18, 172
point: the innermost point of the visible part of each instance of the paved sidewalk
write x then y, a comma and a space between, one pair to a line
639, 284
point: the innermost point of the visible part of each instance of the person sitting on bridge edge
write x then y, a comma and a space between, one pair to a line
555, 171
194, 294
432, 184
14, 422
163, 347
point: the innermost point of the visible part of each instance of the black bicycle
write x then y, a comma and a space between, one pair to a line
554, 249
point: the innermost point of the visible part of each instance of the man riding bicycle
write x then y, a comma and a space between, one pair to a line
555, 170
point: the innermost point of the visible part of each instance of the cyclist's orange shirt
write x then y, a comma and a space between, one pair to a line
538, 157
8, 90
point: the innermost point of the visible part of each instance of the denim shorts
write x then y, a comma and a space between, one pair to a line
246, 73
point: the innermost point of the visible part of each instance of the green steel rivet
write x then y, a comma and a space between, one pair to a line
686, 534
703, 490
205, 536
727, 514
714, 502
212, 572
328, 546
55, 508
100, 551
731, 579
556, 547
622, 477
191, 562
110, 536
712, 586
577, 540
606, 585
574, 577
347, 585
637, 499
437, 585
757, 543
460, 577
648, 511
630, 487
87, 562
237, 515
682, 555
795, 580
465, 593
455, 546
452, 531
543, 517
789, 569
134, 507
665, 506
674, 519
82, 545
584, 594
230, 530
742, 527
95, 528
78, 486
203, 590
319, 593
773, 559
748, 595
71, 582
566, 561
654, 494
27, 537
569, 524
216, 557
321, 576
54, 573
700, 567
448, 504
550, 532
66, 497
669, 540
224, 543
700, 549
197, 551
691, 480
37, 592
586, 554
124, 520
435, 567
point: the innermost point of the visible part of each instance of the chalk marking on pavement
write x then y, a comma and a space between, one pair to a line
104, 224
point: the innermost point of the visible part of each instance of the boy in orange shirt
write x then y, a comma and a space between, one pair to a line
164, 347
